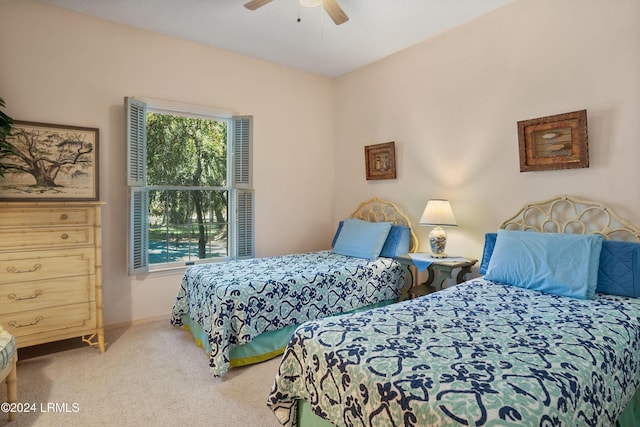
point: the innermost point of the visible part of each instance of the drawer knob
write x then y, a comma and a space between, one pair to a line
15, 324
65, 236
35, 295
12, 269
64, 216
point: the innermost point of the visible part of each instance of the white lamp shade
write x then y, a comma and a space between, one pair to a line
438, 212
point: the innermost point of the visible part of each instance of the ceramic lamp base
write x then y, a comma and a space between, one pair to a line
438, 240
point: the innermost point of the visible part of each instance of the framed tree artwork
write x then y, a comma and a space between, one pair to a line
554, 142
380, 161
50, 162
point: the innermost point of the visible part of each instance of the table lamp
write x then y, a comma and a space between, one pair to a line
438, 213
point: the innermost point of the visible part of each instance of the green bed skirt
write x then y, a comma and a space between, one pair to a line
631, 415
264, 347
306, 418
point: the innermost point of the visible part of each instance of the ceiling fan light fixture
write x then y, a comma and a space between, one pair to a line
310, 3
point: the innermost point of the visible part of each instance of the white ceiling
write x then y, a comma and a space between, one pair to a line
376, 28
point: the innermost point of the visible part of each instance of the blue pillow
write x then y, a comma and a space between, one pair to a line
335, 237
562, 264
489, 244
618, 270
361, 239
397, 242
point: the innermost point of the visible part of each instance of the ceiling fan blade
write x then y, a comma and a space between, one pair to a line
254, 4
335, 11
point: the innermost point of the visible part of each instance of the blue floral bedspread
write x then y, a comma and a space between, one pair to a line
238, 300
477, 354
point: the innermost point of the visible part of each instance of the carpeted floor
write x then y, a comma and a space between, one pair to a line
151, 374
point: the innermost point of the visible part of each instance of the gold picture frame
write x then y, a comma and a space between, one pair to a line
554, 142
380, 161
48, 162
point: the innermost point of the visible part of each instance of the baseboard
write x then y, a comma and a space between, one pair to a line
128, 324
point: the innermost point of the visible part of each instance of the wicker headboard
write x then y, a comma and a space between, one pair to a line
566, 214
379, 210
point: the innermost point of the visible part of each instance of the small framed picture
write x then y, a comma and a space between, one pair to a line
380, 161
554, 142
48, 162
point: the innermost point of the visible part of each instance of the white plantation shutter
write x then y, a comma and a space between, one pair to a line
244, 224
242, 146
139, 231
242, 140
136, 142
138, 244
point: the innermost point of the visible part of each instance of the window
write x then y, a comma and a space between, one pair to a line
187, 172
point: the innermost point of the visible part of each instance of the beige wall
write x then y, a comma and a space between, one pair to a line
61, 67
451, 105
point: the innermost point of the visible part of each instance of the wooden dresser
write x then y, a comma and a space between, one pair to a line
51, 272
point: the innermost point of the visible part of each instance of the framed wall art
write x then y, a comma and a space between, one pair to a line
554, 142
380, 161
50, 162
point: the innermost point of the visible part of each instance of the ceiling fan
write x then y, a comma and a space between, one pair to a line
330, 6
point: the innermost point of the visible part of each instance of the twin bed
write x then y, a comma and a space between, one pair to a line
244, 311
550, 335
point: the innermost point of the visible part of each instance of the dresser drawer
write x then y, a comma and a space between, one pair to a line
34, 322
45, 237
30, 266
42, 294
40, 217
